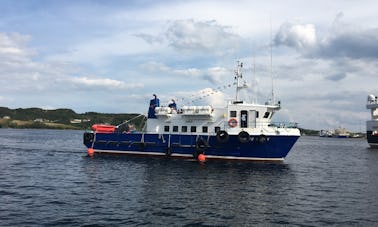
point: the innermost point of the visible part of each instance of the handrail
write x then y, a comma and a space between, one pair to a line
284, 124
127, 121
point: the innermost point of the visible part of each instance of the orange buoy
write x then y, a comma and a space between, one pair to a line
201, 158
90, 152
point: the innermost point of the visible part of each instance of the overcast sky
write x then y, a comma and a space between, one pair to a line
111, 56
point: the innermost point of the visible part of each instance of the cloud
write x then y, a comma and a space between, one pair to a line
206, 96
17, 69
103, 83
350, 44
151, 39
209, 97
342, 41
155, 66
299, 36
217, 75
214, 75
336, 77
28, 80
202, 36
195, 37
13, 47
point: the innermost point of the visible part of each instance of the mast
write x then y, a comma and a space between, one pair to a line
238, 77
254, 98
271, 61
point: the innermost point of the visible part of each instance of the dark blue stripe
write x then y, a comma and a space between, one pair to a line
276, 146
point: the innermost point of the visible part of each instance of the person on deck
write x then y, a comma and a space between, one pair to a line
153, 103
156, 101
172, 105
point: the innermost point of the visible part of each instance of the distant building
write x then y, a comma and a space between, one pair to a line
75, 121
78, 121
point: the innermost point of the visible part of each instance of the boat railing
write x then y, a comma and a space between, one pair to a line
134, 124
284, 124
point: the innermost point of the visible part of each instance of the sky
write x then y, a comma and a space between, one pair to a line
320, 58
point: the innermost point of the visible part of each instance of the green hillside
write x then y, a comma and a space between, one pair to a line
60, 118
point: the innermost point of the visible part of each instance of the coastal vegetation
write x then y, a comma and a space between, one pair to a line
60, 118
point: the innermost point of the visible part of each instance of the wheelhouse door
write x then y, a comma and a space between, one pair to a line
243, 119
252, 118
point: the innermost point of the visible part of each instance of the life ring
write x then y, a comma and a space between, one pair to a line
243, 137
232, 122
222, 136
262, 138
88, 137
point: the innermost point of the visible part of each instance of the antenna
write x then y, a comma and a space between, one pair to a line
271, 59
254, 85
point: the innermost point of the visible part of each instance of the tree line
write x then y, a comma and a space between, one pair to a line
61, 118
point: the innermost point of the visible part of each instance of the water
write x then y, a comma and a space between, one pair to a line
46, 179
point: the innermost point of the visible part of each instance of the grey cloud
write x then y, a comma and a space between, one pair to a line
214, 74
336, 77
358, 44
296, 35
196, 36
151, 39
13, 48
342, 42
203, 36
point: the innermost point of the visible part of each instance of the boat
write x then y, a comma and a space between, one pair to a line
239, 131
341, 133
335, 133
325, 133
372, 124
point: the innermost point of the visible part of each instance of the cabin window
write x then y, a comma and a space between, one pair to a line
175, 128
266, 115
184, 128
257, 114
166, 128
232, 113
216, 129
204, 129
193, 129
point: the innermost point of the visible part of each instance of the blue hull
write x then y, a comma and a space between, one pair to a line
274, 148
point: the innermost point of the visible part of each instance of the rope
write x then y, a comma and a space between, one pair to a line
130, 120
203, 94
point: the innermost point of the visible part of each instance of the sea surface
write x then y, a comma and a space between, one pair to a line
46, 179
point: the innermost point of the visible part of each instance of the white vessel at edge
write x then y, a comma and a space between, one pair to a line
372, 124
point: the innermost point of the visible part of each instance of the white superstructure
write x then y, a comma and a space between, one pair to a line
236, 116
372, 104
372, 124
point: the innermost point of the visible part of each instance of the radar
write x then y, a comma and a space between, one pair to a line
371, 98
